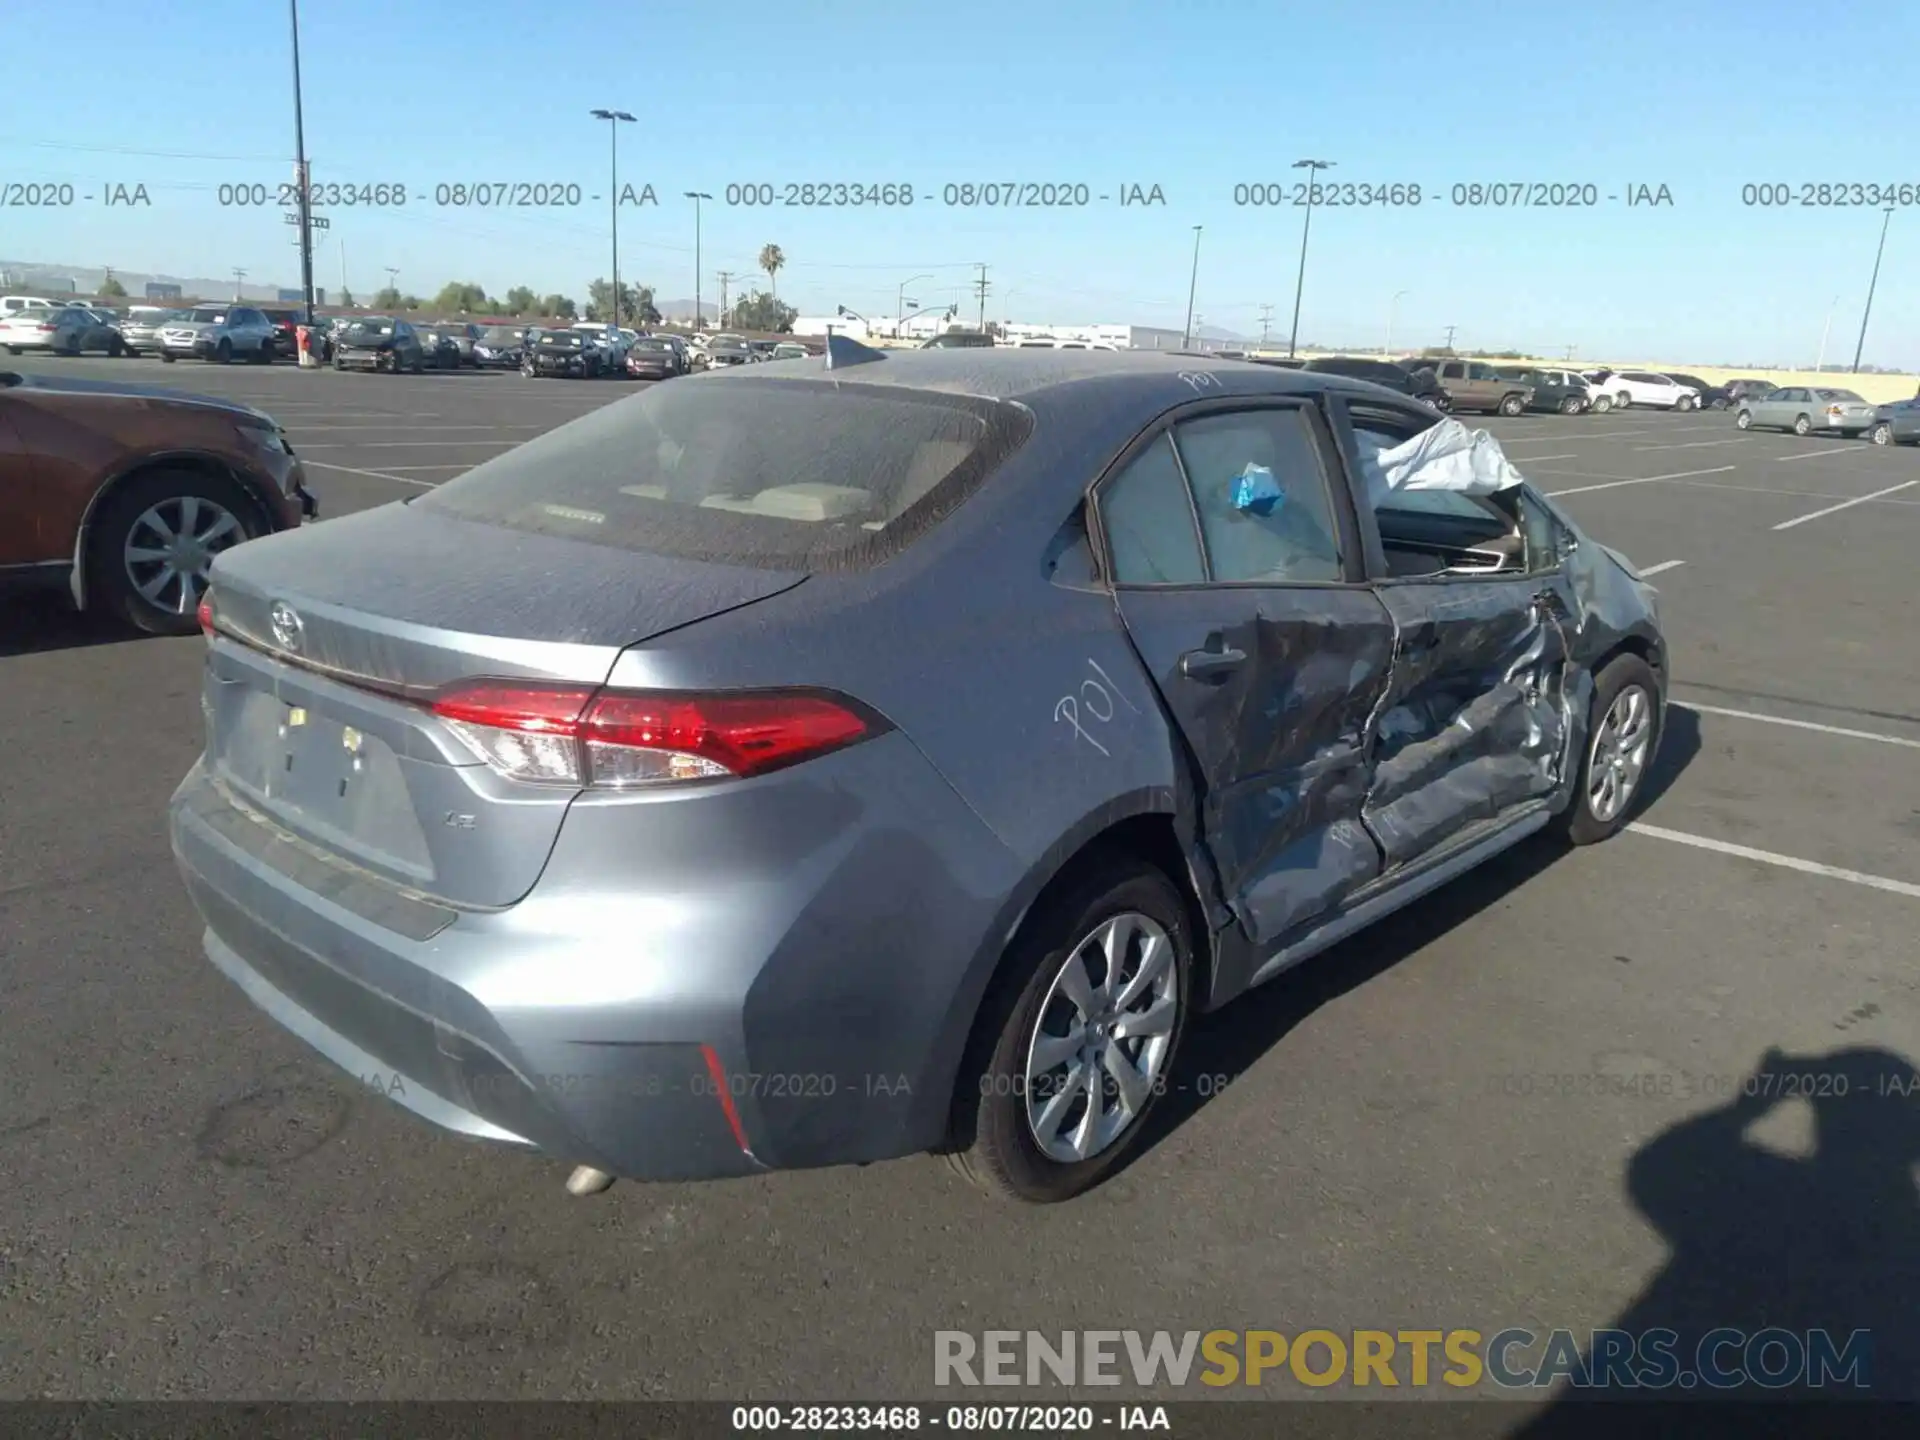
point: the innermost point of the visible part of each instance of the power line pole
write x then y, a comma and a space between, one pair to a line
980, 289
393, 286
1450, 330
726, 278
301, 176
238, 275
1266, 319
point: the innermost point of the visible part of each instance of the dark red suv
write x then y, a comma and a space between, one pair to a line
125, 493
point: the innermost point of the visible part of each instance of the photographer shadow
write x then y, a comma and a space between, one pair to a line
1761, 1239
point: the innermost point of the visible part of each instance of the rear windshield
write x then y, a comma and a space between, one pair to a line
794, 475
1840, 395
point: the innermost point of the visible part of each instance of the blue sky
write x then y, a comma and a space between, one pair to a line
1192, 95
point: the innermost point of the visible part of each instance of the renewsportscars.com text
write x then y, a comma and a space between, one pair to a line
1511, 1359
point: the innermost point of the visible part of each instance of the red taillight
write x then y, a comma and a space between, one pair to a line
206, 614
626, 739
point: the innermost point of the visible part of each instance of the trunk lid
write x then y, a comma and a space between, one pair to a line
334, 637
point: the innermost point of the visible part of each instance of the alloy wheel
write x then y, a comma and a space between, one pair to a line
1102, 1038
170, 548
1618, 757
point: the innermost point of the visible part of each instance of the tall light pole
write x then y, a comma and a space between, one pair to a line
900, 302
1313, 169
300, 162
1193, 284
696, 196
1392, 305
614, 119
1871, 284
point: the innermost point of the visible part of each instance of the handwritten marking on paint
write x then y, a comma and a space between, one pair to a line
1097, 699
1199, 379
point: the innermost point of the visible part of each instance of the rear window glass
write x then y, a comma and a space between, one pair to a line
800, 475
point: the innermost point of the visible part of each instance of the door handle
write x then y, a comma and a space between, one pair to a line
1211, 664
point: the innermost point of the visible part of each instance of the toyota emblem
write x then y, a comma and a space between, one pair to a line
288, 628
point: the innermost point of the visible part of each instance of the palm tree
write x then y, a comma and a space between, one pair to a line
771, 259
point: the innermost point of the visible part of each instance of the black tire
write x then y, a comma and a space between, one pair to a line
1880, 434
109, 587
1578, 824
1683, 404
1511, 405
1571, 405
1623, 401
1743, 420
1601, 404
13, 349
991, 1142
223, 353
166, 358
116, 347
1802, 425
263, 355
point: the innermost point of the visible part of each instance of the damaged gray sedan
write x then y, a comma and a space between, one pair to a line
889, 755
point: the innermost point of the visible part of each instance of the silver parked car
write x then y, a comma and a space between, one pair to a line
141, 333
882, 753
66, 330
1896, 423
1804, 410
220, 333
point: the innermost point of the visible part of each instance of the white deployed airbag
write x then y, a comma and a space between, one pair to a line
1448, 456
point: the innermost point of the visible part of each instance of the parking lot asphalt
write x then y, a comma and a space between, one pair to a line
1479, 1113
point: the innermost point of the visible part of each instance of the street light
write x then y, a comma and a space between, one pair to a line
1313, 169
1386, 350
900, 302
1193, 282
613, 119
696, 196
1871, 284
300, 164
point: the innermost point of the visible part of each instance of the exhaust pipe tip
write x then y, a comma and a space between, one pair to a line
586, 1180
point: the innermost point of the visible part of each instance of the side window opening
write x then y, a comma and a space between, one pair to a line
1441, 533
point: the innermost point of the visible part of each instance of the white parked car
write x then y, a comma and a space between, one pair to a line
14, 304
1643, 387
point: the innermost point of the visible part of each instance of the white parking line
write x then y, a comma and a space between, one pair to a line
1646, 480
1646, 570
1796, 724
405, 469
1785, 862
1825, 453
1695, 444
1845, 505
1536, 459
376, 474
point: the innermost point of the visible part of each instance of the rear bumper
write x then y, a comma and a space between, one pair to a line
651, 1008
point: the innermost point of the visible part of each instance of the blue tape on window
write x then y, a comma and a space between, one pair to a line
1256, 492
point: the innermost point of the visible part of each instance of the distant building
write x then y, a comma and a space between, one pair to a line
58, 286
816, 325
157, 291
1125, 337
298, 297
